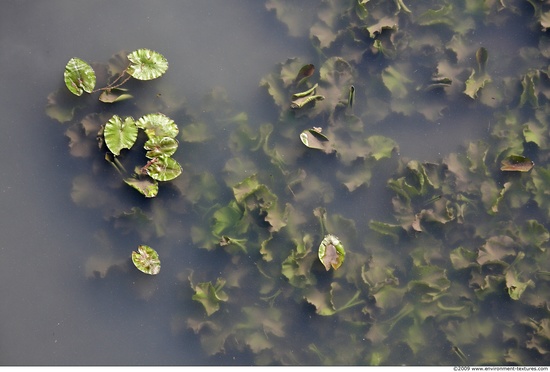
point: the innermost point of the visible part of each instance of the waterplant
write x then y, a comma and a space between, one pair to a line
331, 252
121, 133
146, 259
453, 238
144, 64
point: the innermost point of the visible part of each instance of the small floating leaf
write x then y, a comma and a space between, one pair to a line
331, 252
517, 163
158, 125
314, 139
147, 64
79, 76
120, 134
160, 146
305, 72
163, 169
146, 259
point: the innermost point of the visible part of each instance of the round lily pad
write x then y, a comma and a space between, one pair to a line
164, 169
146, 259
160, 146
120, 133
158, 125
79, 76
147, 64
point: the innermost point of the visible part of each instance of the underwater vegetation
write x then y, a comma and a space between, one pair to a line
454, 270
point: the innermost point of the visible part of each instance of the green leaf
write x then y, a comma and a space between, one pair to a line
429, 281
515, 286
60, 108
145, 185
396, 82
196, 132
120, 133
146, 259
147, 64
114, 95
475, 83
163, 169
158, 125
381, 147
210, 295
305, 72
529, 94
331, 252
517, 163
314, 139
481, 57
240, 244
496, 249
533, 233
301, 102
227, 220
462, 258
333, 301
79, 76
160, 146
297, 266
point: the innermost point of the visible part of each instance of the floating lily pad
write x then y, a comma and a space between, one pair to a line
160, 146
147, 64
158, 125
314, 139
517, 163
79, 76
120, 133
331, 252
163, 169
146, 259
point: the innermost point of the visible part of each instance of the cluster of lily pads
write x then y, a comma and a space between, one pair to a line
458, 255
121, 133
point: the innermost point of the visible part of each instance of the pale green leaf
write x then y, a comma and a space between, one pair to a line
147, 64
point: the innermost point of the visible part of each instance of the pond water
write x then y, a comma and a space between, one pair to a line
419, 105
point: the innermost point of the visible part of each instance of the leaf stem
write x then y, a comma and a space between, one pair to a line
113, 85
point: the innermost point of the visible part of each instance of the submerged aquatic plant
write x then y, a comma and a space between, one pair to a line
455, 238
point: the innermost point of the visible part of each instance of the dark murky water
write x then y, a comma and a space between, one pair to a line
57, 311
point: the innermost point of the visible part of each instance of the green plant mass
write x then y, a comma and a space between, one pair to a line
323, 231
122, 133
